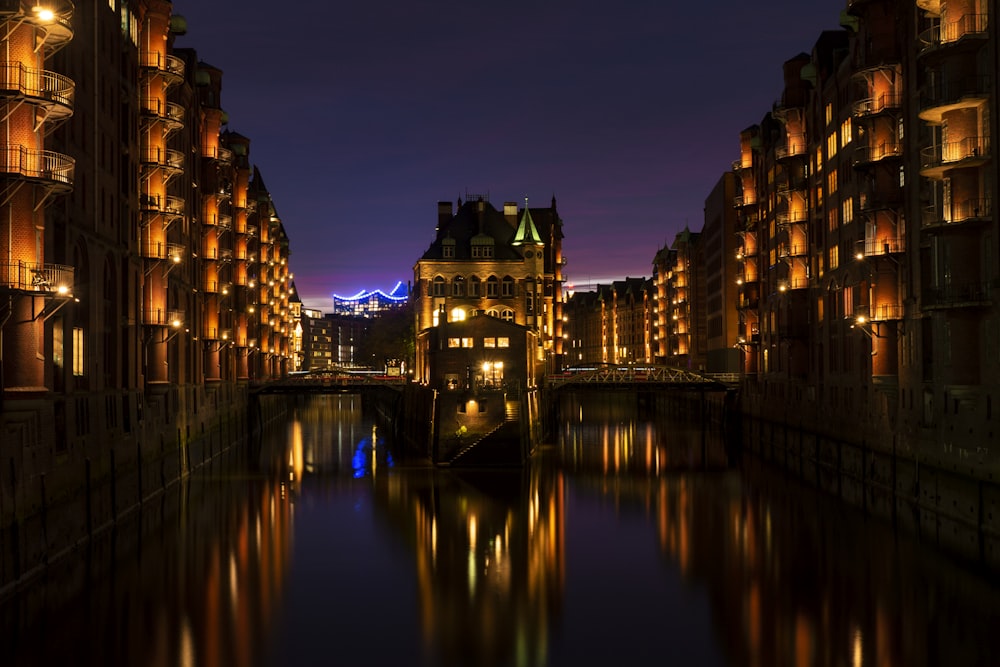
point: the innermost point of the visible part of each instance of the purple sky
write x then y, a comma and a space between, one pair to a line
363, 115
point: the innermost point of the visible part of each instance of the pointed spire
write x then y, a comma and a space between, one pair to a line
526, 230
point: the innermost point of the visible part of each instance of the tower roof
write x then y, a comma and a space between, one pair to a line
526, 230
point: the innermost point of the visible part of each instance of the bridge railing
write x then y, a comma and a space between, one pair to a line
616, 374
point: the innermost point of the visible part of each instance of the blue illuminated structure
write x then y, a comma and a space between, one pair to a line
370, 303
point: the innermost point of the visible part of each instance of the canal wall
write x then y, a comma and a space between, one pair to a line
884, 474
60, 491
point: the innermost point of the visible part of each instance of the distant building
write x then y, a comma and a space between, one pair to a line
370, 303
679, 274
505, 264
614, 323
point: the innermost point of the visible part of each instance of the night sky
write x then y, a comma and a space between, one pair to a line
363, 115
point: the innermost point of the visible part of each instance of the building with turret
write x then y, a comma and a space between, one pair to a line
505, 264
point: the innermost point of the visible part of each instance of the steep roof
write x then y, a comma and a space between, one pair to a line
526, 231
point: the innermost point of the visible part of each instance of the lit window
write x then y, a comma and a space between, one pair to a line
846, 132
503, 341
454, 342
834, 257
457, 315
78, 359
831, 182
828, 112
831, 145
831, 216
489, 342
466, 342
847, 211
507, 315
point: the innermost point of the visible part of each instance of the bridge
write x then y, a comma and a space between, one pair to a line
632, 377
329, 382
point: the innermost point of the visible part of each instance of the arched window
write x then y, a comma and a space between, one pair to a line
492, 312
458, 286
437, 287
457, 315
474, 286
507, 287
507, 315
492, 287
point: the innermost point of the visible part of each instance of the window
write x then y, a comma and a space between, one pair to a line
530, 305
489, 342
454, 342
828, 112
507, 287
832, 219
466, 342
492, 287
831, 145
448, 251
834, 257
78, 360
474, 286
458, 286
437, 287
846, 130
503, 341
831, 182
847, 211
507, 315
457, 315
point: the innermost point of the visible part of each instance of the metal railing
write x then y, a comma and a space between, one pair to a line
43, 165
957, 295
171, 65
879, 104
34, 277
954, 151
866, 154
163, 157
951, 91
886, 245
37, 83
970, 25
162, 317
795, 144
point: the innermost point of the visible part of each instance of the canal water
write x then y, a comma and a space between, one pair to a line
629, 540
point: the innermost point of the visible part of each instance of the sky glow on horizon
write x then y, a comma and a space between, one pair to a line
628, 117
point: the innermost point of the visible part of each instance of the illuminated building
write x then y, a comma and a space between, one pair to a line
506, 264
614, 323
866, 295
369, 303
145, 279
678, 274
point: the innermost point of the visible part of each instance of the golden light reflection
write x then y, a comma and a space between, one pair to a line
857, 654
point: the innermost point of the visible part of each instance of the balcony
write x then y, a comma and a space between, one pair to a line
789, 251
884, 246
874, 106
219, 153
160, 250
163, 158
168, 205
51, 279
944, 96
159, 317
794, 217
965, 295
963, 215
868, 155
48, 168
968, 31
795, 145
791, 185
168, 113
969, 152
885, 312
52, 92
171, 68
53, 31
887, 198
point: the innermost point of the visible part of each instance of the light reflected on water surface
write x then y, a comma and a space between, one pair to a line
629, 540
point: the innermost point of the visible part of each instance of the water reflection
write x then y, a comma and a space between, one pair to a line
631, 539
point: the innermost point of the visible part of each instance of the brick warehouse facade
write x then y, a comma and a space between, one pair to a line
144, 281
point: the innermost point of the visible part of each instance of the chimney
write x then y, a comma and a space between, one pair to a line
444, 214
510, 212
